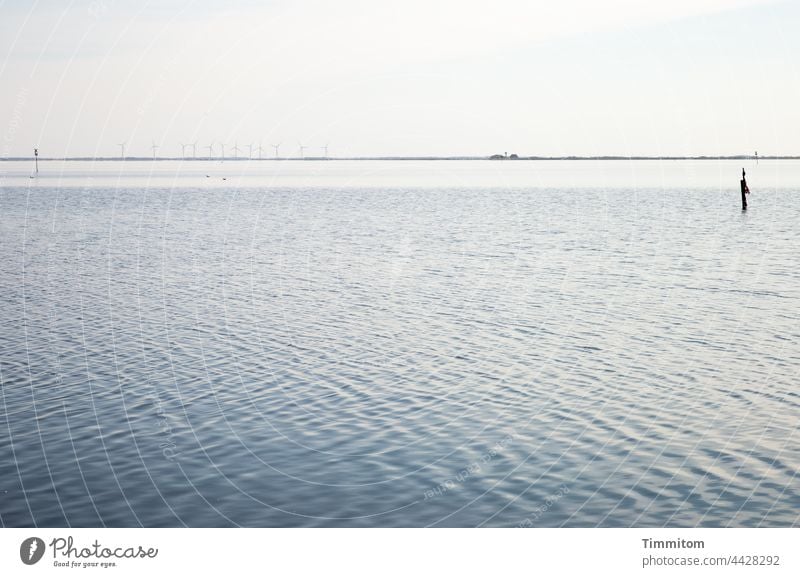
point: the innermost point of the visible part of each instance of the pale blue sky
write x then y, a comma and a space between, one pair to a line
398, 78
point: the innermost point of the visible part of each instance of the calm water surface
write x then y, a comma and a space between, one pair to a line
399, 343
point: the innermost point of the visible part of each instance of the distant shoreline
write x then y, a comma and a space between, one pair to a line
367, 158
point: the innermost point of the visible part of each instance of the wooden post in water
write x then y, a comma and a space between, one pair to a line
745, 191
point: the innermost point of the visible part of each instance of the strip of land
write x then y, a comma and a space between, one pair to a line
331, 158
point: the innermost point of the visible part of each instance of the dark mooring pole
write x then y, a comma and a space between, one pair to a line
745, 191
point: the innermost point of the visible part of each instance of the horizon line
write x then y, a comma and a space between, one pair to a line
402, 157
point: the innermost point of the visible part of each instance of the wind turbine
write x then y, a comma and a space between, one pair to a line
154, 147
235, 149
250, 151
210, 148
122, 150
325, 148
194, 149
277, 148
183, 150
222, 147
302, 150
260, 148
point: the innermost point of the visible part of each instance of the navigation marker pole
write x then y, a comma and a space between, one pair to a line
745, 190
36, 159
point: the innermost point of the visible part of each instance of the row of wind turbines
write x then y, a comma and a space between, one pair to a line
236, 150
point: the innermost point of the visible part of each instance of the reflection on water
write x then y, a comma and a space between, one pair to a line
583, 346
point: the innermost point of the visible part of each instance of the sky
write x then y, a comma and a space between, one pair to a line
385, 78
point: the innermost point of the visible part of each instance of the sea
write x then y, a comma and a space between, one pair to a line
411, 343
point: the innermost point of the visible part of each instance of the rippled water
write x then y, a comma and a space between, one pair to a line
407, 343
